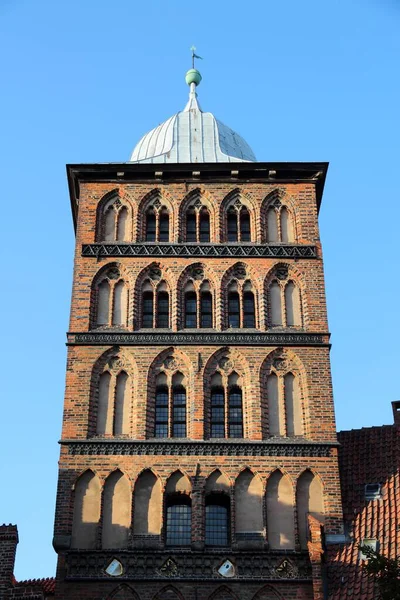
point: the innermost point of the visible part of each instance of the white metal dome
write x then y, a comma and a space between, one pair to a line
192, 136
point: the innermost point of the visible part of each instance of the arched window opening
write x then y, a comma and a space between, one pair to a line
280, 512
150, 226
147, 516
232, 223
191, 233
204, 225
294, 421
292, 303
178, 407
217, 520
120, 304
122, 221
117, 512
286, 226
86, 512
179, 520
206, 316
109, 225
245, 225
309, 500
121, 410
235, 412
103, 303
147, 308
162, 320
190, 309
249, 319
275, 304
163, 235
274, 412
248, 507
272, 226
104, 409
161, 412
233, 309
217, 412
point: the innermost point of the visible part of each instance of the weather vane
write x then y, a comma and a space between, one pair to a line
193, 48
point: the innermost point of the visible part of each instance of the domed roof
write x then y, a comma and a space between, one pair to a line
192, 136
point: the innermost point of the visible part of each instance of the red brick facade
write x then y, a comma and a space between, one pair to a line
192, 572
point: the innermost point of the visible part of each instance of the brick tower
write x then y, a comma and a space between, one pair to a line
198, 451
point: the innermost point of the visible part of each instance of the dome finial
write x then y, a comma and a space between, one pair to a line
193, 75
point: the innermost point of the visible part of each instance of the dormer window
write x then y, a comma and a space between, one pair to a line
373, 491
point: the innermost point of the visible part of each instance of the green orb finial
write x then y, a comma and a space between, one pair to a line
193, 76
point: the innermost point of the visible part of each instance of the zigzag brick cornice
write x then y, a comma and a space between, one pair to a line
112, 338
201, 250
190, 565
97, 447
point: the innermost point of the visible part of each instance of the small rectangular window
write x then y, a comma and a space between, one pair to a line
373, 491
370, 543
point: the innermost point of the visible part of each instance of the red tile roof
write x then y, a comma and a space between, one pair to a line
46, 585
370, 455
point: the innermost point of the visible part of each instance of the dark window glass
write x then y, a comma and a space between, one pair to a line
164, 226
233, 310
244, 225
163, 309
217, 521
161, 420
204, 225
147, 310
191, 226
179, 522
205, 309
248, 310
217, 412
150, 226
190, 309
232, 225
235, 413
179, 412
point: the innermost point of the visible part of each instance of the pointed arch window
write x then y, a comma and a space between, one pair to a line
226, 407
284, 304
162, 309
155, 305
190, 309
206, 311
285, 416
241, 306
238, 224
157, 223
197, 223
204, 225
111, 300
114, 222
147, 309
170, 407
151, 225
113, 404
279, 224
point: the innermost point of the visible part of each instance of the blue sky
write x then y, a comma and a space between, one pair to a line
82, 81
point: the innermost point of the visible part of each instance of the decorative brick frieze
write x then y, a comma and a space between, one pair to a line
189, 565
192, 448
201, 250
196, 338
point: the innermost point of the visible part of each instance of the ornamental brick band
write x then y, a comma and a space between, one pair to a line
186, 448
202, 250
259, 566
214, 339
